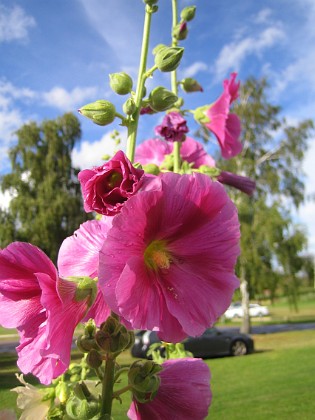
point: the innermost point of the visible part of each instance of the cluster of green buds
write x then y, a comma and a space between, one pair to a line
143, 380
180, 31
107, 342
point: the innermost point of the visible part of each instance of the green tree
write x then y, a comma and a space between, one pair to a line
46, 206
272, 156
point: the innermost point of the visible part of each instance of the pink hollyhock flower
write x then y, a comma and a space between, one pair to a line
177, 256
155, 150
173, 127
107, 187
42, 306
184, 393
223, 124
79, 255
242, 183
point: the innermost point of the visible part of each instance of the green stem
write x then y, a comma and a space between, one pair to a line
122, 390
176, 151
108, 385
133, 125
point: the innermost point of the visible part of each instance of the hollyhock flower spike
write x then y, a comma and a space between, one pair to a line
177, 256
43, 307
173, 127
78, 256
107, 187
184, 393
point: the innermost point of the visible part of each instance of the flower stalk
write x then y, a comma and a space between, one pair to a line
142, 76
177, 158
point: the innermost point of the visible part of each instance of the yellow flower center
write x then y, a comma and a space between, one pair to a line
157, 255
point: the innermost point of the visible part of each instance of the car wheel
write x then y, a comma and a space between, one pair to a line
238, 348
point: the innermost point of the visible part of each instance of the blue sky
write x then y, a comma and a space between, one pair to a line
56, 56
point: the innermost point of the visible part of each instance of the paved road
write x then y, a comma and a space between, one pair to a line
9, 346
270, 329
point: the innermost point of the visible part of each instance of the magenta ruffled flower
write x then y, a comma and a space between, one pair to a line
225, 125
173, 127
177, 256
79, 255
155, 150
184, 393
107, 187
242, 183
42, 306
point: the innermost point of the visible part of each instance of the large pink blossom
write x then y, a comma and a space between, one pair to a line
42, 306
225, 125
184, 393
155, 150
107, 187
79, 255
173, 127
172, 268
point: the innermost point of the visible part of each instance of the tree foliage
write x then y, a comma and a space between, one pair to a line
46, 206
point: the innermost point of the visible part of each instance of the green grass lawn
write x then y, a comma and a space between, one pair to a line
276, 382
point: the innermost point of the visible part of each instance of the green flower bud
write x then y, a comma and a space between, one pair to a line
62, 392
120, 83
129, 107
158, 48
161, 99
191, 85
94, 359
86, 343
151, 168
188, 13
180, 31
143, 379
168, 59
150, 2
90, 328
81, 409
209, 170
100, 112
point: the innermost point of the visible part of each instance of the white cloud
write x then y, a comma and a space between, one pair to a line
232, 55
263, 16
64, 100
90, 154
193, 69
119, 21
14, 24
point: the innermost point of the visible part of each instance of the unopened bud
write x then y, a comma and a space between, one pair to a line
62, 392
86, 343
129, 107
100, 112
121, 83
168, 59
94, 359
158, 48
150, 2
188, 13
151, 168
180, 31
191, 85
161, 99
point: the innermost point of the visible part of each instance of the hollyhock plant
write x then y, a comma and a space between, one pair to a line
107, 187
242, 183
173, 127
177, 256
155, 150
42, 306
224, 125
184, 393
78, 256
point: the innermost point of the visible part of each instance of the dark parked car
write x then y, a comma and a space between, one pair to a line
212, 343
